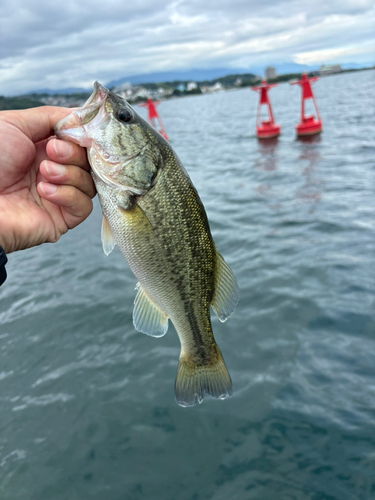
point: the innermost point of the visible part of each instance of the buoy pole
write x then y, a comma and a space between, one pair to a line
309, 125
265, 129
153, 115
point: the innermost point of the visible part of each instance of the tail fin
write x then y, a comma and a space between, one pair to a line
193, 380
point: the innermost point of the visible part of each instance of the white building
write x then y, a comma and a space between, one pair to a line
217, 87
191, 86
269, 73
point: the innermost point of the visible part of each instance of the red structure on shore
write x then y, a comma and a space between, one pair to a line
265, 129
309, 125
153, 118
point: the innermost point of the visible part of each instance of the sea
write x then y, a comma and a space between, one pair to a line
87, 407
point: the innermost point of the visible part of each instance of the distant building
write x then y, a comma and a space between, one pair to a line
139, 91
217, 87
191, 86
269, 73
329, 70
207, 89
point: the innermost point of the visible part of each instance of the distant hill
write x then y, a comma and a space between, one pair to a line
66, 91
285, 68
203, 75
7, 103
170, 76
356, 65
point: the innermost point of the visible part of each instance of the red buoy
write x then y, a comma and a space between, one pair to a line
153, 118
309, 124
265, 129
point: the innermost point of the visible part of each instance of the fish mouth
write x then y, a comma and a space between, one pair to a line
98, 94
79, 122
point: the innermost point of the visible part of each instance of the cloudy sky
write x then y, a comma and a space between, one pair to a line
74, 42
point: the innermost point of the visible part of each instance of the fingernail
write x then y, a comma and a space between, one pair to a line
62, 149
54, 169
47, 188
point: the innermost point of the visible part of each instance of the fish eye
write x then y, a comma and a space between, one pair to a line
124, 115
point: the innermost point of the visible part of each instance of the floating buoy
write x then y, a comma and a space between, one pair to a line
309, 124
265, 129
153, 118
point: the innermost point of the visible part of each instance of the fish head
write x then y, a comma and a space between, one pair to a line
122, 147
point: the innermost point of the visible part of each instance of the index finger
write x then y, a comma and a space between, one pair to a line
67, 152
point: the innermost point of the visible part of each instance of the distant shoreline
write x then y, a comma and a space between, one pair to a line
226, 83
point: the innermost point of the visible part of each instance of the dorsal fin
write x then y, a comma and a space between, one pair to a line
108, 241
147, 317
226, 293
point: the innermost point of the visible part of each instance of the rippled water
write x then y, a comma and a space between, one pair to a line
87, 406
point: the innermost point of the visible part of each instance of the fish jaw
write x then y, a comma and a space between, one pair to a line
70, 129
78, 126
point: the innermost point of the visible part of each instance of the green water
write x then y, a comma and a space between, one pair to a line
86, 402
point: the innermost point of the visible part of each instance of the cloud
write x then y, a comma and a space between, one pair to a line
359, 53
56, 45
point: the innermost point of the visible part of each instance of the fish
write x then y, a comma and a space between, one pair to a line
153, 213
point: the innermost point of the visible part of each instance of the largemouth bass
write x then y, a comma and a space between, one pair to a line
152, 211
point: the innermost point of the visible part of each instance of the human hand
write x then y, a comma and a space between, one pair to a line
45, 185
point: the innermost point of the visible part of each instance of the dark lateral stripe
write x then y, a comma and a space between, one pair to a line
199, 341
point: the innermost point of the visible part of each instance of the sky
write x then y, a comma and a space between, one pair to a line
73, 43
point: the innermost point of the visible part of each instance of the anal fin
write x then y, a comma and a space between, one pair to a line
147, 317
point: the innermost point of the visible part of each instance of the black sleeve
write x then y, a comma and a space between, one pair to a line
3, 261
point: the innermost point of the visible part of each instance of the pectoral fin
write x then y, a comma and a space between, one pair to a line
136, 218
227, 293
108, 241
147, 317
